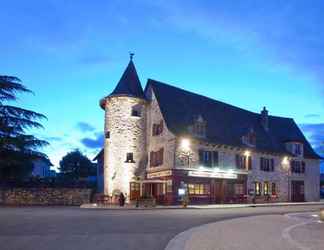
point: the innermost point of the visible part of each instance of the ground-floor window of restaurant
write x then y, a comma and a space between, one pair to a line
199, 189
239, 188
274, 189
257, 188
266, 188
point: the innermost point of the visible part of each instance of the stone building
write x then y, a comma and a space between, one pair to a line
163, 141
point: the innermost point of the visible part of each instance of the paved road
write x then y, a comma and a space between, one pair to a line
44, 228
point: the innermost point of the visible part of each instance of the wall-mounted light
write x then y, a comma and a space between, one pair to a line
185, 144
247, 153
285, 160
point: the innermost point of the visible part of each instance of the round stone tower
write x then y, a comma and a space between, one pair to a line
125, 133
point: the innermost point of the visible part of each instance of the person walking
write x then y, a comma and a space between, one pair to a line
121, 199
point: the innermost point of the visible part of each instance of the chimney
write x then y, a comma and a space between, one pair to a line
265, 119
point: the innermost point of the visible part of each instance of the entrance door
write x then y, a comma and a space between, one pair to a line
219, 189
297, 191
134, 191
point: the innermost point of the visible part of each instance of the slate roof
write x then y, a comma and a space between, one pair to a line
129, 84
226, 124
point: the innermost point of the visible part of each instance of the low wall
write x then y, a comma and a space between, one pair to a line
45, 196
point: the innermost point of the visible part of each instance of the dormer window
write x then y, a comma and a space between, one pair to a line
136, 111
199, 127
296, 148
250, 138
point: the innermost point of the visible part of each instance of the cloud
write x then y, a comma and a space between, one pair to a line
93, 143
85, 127
312, 116
315, 134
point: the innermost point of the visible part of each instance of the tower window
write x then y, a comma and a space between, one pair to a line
129, 158
136, 111
107, 135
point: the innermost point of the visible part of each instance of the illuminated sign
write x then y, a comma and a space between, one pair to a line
159, 174
221, 175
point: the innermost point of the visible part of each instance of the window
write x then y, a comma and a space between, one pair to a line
208, 158
266, 164
250, 138
199, 127
295, 148
257, 188
136, 111
297, 167
198, 189
129, 158
239, 188
266, 188
156, 158
107, 135
157, 129
243, 162
273, 189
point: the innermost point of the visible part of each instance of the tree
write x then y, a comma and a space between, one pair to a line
75, 165
17, 149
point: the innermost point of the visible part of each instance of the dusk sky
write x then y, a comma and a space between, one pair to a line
247, 53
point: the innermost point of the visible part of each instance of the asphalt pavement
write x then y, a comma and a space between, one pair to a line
47, 228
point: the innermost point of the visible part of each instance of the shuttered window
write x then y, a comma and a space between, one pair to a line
156, 158
266, 164
208, 158
243, 162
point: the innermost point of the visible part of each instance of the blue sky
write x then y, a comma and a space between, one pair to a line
247, 53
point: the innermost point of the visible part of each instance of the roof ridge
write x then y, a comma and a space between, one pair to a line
210, 98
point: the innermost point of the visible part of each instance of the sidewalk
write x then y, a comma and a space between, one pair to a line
270, 232
209, 206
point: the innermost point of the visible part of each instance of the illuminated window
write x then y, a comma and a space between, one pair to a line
266, 188
257, 188
273, 189
198, 189
129, 158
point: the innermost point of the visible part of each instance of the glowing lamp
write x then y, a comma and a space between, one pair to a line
247, 153
185, 144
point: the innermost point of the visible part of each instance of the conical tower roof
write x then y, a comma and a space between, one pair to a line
129, 84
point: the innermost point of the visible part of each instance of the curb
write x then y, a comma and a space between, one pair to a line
95, 206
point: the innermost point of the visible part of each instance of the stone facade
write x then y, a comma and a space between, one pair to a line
127, 134
45, 196
164, 140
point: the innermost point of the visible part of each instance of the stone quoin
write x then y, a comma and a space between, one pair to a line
164, 142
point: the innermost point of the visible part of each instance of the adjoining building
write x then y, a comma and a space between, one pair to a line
165, 139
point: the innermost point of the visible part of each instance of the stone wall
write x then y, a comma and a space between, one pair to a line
45, 196
126, 135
